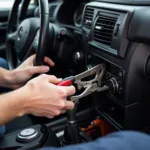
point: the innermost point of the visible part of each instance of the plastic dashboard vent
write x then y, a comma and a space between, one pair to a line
88, 17
52, 10
104, 27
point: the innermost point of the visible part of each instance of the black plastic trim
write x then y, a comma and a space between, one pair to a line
130, 2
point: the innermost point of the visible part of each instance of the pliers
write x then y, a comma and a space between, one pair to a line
90, 86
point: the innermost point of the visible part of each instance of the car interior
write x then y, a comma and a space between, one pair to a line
79, 35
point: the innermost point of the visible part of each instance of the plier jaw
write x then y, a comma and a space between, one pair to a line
90, 86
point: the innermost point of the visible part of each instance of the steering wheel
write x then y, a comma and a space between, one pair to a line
24, 35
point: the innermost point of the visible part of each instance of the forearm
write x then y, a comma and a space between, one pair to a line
12, 105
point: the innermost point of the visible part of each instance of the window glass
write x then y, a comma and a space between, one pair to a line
8, 3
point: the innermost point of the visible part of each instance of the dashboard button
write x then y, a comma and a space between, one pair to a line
27, 135
62, 33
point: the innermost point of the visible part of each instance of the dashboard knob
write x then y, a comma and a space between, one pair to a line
78, 57
62, 33
113, 86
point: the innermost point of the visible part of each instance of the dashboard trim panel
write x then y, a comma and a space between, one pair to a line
120, 42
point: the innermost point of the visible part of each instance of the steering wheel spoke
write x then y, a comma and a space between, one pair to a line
35, 42
34, 46
11, 37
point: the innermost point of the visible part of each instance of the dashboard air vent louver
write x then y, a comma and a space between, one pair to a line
104, 27
52, 10
88, 17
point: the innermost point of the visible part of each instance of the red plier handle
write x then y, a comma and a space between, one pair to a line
67, 81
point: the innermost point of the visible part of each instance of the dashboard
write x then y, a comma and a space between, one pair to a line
114, 32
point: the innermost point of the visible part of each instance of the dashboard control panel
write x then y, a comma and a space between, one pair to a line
114, 76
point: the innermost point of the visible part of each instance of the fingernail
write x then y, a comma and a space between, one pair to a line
46, 68
60, 79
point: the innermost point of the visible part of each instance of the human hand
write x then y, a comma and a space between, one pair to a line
20, 75
46, 99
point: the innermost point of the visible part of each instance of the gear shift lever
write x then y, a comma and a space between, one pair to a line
72, 133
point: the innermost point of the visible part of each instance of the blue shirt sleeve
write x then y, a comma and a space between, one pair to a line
2, 131
114, 141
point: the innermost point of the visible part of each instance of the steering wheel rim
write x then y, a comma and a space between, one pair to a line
13, 32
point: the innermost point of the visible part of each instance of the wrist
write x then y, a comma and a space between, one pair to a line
5, 78
25, 99
22, 100
10, 79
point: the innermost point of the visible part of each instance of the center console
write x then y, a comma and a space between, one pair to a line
48, 135
105, 35
114, 76
105, 30
31, 138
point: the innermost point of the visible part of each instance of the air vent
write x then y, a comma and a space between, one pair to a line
104, 28
52, 10
88, 17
